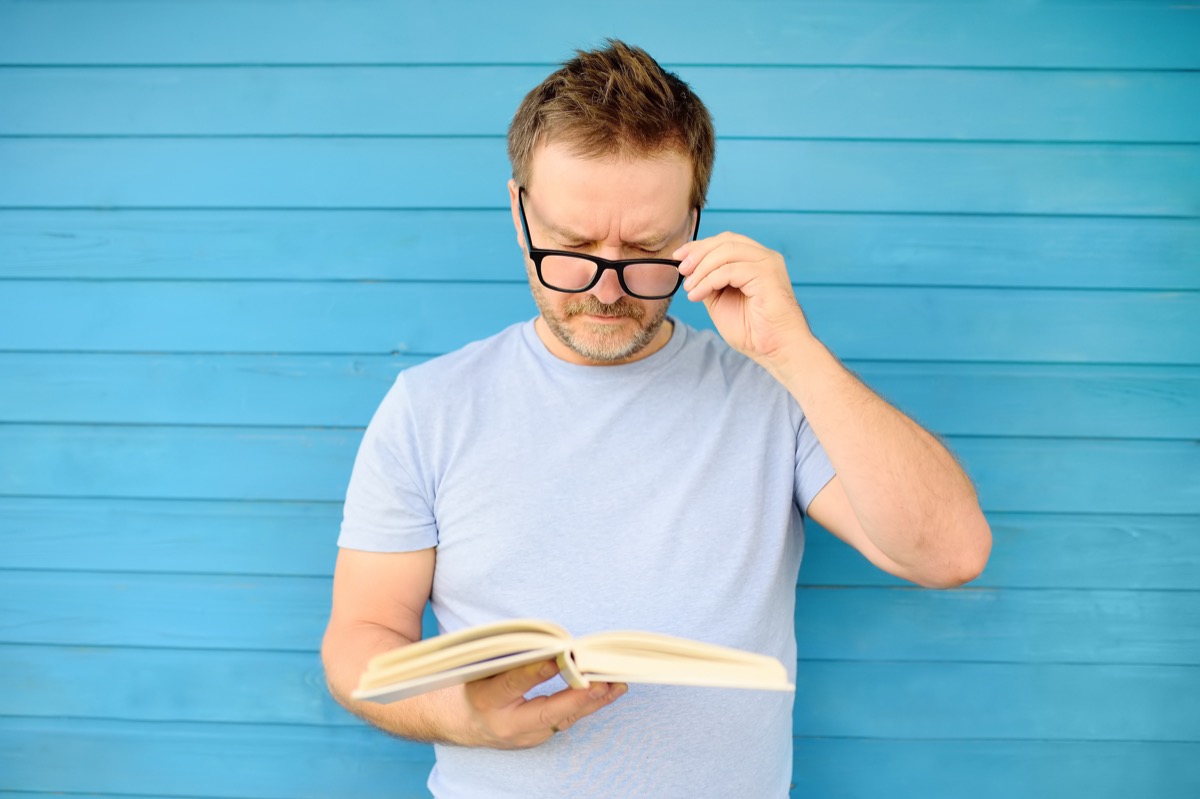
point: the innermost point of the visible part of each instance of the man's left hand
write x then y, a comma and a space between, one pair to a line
747, 292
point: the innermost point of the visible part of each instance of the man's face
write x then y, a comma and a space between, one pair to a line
616, 208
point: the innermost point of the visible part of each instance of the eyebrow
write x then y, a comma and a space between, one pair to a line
651, 243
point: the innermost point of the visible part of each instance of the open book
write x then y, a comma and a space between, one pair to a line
619, 656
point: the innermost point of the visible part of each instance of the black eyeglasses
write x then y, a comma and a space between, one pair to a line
575, 272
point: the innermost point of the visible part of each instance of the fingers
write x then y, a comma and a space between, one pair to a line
505, 719
512, 685
700, 247
559, 712
725, 260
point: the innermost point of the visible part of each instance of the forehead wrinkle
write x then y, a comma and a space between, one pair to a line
650, 241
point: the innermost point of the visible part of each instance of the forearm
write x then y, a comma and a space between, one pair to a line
908, 493
434, 717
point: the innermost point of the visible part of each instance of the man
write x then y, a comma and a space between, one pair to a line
605, 466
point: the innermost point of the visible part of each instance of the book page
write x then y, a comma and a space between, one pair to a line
630, 656
465, 653
393, 692
419, 649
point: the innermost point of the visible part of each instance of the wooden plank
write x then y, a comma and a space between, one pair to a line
164, 685
128, 388
164, 610
995, 769
901, 701
1052, 550
821, 249
996, 701
306, 465
1011, 625
233, 761
776, 175
298, 539
427, 318
821, 102
289, 613
1063, 400
269, 538
301, 762
1116, 35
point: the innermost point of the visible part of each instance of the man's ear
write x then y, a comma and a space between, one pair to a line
516, 214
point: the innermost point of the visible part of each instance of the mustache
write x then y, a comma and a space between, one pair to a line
591, 305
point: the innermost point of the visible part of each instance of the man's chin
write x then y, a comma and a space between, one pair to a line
607, 342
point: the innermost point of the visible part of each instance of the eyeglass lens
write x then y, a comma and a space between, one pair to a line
565, 273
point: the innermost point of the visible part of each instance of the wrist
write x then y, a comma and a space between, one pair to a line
798, 355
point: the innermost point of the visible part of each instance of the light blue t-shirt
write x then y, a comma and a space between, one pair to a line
661, 495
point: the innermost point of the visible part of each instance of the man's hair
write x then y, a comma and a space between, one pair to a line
614, 101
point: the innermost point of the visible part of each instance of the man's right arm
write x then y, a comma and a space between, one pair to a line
378, 601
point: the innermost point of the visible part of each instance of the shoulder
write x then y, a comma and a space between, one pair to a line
705, 351
729, 376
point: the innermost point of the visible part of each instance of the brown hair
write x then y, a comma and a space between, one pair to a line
616, 100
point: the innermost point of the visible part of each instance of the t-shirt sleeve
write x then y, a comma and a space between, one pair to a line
389, 505
813, 469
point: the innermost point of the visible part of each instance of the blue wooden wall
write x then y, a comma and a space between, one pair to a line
224, 226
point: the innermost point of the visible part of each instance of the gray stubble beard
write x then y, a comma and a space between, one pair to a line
603, 352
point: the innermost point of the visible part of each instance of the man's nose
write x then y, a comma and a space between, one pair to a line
608, 288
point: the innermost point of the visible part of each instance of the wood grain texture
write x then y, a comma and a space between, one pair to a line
1011, 474
298, 539
223, 761
771, 174
1146, 35
1060, 400
465, 245
869, 623
995, 769
811, 102
838, 699
246, 760
428, 318
226, 226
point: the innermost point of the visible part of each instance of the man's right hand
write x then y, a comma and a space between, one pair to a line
502, 718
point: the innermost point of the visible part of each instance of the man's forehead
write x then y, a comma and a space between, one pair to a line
586, 198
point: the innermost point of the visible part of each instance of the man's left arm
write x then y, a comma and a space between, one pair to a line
899, 496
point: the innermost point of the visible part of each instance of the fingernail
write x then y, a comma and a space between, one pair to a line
547, 670
619, 689
598, 691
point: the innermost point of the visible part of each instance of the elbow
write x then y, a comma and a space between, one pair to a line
967, 563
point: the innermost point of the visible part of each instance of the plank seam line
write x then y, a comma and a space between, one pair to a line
933, 214
387, 281
381, 354
1031, 664
1115, 518
350, 723
841, 661
1188, 370
902, 140
198, 500
168, 426
874, 588
552, 65
969, 739
990, 588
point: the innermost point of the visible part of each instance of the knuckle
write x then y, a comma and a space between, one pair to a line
547, 719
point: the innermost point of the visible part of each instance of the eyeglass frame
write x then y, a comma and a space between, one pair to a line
537, 255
